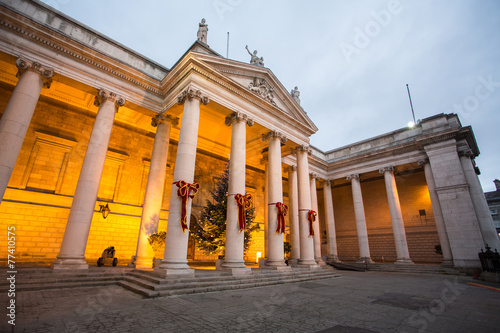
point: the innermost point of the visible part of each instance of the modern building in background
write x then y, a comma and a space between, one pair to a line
493, 199
101, 146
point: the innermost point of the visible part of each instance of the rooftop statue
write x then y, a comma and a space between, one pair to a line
295, 94
202, 31
255, 60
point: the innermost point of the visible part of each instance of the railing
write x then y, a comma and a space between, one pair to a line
490, 261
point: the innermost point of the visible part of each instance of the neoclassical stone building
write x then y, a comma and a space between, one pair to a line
100, 146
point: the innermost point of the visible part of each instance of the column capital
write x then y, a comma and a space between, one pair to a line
190, 93
24, 65
353, 176
466, 153
326, 182
103, 95
290, 168
389, 168
304, 148
238, 116
163, 117
274, 135
423, 161
314, 176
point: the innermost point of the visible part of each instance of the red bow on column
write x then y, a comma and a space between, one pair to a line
244, 202
185, 191
282, 211
311, 216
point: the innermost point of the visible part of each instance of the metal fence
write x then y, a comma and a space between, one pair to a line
490, 261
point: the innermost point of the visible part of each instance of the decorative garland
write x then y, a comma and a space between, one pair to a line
282, 211
185, 190
244, 202
311, 216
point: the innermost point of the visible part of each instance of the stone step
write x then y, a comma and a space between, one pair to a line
147, 285
418, 269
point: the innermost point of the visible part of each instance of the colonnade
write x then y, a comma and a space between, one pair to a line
303, 217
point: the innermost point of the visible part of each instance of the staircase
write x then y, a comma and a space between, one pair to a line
31, 279
415, 268
399, 268
148, 285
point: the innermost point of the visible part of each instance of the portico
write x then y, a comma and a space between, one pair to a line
156, 140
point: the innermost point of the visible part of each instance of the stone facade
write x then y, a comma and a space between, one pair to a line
81, 131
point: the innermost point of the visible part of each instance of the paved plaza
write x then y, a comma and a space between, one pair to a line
355, 302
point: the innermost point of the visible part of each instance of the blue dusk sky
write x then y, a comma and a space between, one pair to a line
350, 59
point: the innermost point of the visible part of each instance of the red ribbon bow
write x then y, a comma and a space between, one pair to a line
244, 202
282, 211
311, 216
185, 190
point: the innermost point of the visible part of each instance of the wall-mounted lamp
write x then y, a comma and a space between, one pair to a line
104, 210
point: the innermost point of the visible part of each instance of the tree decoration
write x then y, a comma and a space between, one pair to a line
185, 190
311, 216
210, 232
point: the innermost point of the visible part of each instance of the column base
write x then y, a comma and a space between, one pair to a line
307, 263
320, 261
278, 265
365, 260
70, 263
141, 262
232, 264
404, 261
332, 258
236, 271
168, 268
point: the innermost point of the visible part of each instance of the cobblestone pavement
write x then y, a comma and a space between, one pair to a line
356, 302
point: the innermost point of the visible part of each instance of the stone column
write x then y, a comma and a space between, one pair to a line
486, 224
235, 238
306, 242
398, 227
293, 212
276, 254
438, 215
72, 253
18, 113
330, 222
314, 206
175, 258
456, 203
359, 215
153, 197
264, 160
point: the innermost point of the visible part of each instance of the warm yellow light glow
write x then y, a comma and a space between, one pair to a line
258, 256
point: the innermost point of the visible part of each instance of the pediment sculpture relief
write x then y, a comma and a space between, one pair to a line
263, 89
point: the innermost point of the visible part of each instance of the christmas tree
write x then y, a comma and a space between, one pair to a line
210, 232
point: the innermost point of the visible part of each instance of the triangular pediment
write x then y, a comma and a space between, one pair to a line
261, 82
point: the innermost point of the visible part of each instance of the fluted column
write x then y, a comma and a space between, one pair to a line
276, 254
153, 197
293, 212
332, 251
359, 215
175, 257
72, 253
314, 206
438, 215
398, 227
18, 113
306, 241
235, 238
486, 224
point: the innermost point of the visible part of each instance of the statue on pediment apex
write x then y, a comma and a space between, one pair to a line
296, 94
255, 60
202, 31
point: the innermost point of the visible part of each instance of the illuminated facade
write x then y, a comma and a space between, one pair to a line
88, 124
